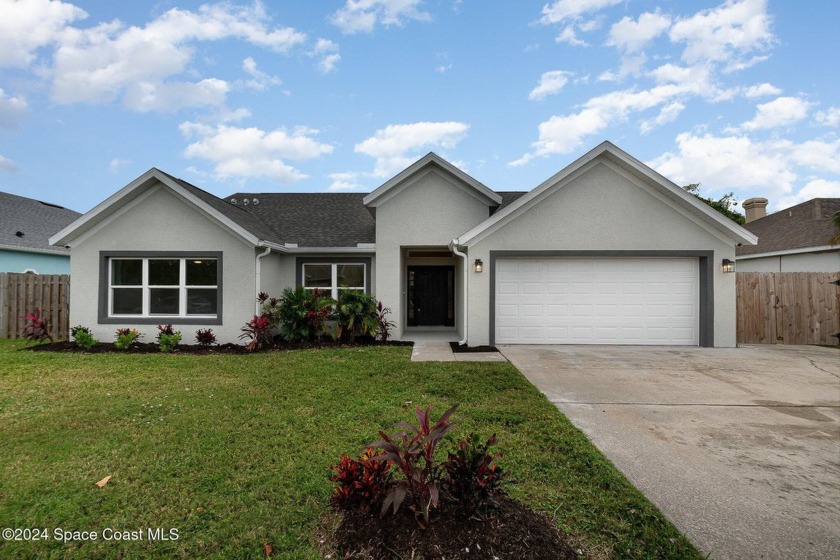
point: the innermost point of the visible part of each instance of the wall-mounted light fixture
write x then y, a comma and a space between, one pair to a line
479, 265
727, 265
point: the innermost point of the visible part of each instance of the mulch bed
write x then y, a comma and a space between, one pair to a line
510, 531
152, 348
464, 348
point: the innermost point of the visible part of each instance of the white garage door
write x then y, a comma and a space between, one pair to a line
597, 301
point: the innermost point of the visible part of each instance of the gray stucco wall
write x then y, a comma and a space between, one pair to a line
163, 221
429, 213
602, 210
805, 262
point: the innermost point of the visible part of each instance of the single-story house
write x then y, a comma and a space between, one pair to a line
25, 228
796, 239
607, 251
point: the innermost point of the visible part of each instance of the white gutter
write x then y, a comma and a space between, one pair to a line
257, 281
453, 247
819, 249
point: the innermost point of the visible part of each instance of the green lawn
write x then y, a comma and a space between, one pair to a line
234, 451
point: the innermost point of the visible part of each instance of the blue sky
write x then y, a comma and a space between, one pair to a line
294, 96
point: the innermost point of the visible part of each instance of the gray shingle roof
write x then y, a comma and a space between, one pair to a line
313, 219
805, 225
36, 220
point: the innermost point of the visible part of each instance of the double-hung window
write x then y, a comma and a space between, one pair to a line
162, 287
334, 277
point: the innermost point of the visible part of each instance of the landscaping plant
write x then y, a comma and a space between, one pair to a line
37, 329
300, 314
83, 337
356, 315
361, 482
258, 331
473, 479
205, 337
412, 452
385, 325
168, 338
125, 338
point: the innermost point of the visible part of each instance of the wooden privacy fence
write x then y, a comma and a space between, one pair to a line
788, 307
23, 293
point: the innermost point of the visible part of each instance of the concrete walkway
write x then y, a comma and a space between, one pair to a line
739, 447
440, 351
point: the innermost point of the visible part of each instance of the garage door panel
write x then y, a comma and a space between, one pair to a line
597, 301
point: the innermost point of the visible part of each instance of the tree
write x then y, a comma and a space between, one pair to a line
835, 239
724, 204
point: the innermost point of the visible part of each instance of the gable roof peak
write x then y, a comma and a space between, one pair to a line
476, 188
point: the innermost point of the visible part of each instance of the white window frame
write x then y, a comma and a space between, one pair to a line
146, 288
334, 287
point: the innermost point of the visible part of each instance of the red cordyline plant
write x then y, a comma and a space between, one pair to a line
412, 452
37, 328
473, 478
258, 330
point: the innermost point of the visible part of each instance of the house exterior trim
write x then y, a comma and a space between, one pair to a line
105, 319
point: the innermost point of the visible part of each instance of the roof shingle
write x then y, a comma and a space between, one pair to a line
35, 220
808, 224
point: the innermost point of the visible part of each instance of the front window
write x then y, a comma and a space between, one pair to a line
163, 287
334, 277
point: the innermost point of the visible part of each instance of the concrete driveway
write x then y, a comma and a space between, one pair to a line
739, 448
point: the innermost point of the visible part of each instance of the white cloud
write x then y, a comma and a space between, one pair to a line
761, 90
819, 155
563, 134
116, 163
12, 110
252, 152
327, 52
632, 35
727, 33
346, 182
816, 188
27, 25
7, 165
568, 35
669, 113
831, 117
550, 83
782, 111
362, 16
110, 60
259, 80
173, 96
562, 10
723, 164
396, 146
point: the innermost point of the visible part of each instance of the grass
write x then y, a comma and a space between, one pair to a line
234, 451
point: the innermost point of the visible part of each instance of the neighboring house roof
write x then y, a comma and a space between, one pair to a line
390, 187
802, 228
668, 191
35, 221
312, 219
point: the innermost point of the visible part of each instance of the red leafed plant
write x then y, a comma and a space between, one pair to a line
412, 452
258, 331
37, 328
361, 482
205, 337
473, 479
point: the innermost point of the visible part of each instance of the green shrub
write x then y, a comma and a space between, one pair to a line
168, 338
299, 314
125, 338
83, 337
356, 314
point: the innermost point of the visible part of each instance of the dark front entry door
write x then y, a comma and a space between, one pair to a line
431, 296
